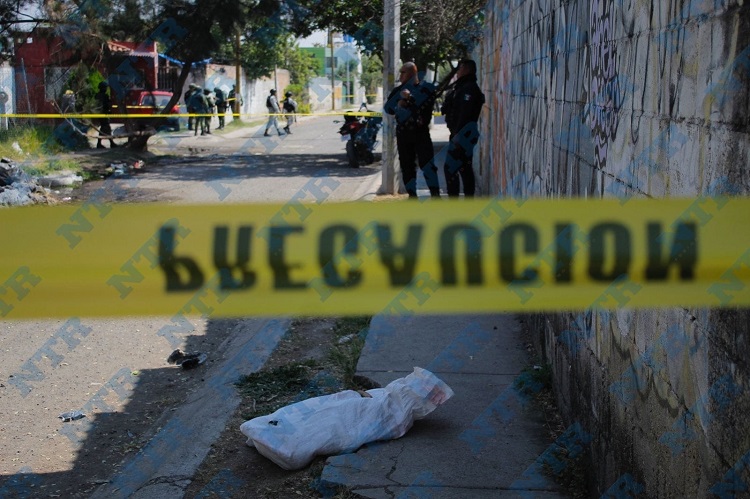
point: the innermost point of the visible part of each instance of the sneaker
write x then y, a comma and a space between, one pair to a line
266, 134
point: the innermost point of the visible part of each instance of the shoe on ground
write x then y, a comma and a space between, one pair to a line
266, 134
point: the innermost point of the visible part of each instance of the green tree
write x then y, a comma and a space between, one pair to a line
126, 23
432, 32
302, 65
372, 75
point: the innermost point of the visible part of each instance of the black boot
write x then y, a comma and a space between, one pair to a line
266, 134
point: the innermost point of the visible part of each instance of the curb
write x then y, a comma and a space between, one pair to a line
166, 465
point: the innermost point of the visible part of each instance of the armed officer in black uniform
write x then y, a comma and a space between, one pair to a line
461, 107
411, 103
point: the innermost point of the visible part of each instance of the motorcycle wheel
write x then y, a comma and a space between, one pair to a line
351, 154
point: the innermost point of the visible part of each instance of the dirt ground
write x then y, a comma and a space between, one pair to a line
232, 468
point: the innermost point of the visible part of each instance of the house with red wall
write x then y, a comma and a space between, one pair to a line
45, 57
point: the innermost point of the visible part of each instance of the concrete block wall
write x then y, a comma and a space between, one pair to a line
631, 98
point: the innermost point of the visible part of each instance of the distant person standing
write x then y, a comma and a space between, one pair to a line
68, 104
189, 93
199, 105
221, 106
104, 104
272, 104
290, 109
211, 106
462, 106
235, 102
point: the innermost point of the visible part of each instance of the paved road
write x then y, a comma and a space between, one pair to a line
114, 370
244, 166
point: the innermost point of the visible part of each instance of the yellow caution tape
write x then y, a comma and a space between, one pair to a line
176, 115
363, 258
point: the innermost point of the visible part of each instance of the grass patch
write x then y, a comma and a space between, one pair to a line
33, 149
273, 389
534, 380
20, 142
239, 124
351, 332
45, 167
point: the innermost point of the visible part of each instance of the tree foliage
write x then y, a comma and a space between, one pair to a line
372, 75
432, 31
302, 65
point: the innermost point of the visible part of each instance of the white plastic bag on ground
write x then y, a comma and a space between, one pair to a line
292, 436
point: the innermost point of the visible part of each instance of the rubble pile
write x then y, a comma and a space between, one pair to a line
18, 188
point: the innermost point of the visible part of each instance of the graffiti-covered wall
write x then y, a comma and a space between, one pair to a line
632, 98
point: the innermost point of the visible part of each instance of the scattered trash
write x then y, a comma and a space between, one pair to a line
537, 368
194, 360
118, 169
16, 147
71, 416
175, 356
342, 422
346, 339
60, 179
18, 188
135, 373
187, 361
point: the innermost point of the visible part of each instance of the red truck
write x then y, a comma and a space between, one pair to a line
142, 101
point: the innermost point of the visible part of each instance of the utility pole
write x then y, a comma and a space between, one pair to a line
333, 72
237, 74
391, 58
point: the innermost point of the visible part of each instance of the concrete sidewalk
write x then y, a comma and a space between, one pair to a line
489, 440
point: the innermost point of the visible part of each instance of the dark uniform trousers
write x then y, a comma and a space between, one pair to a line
416, 146
459, 166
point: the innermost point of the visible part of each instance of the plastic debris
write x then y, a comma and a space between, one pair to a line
118, 169
71, 416
187, 360
346, 339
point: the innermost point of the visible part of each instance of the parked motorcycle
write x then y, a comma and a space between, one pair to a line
360, 133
